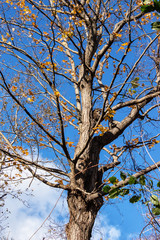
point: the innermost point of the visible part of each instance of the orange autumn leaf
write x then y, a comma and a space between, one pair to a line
13, 88
59, 181
70, 144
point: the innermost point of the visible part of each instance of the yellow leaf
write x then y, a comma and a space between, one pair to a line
33, 16
31, 99
116, 181
6, 183
13, 88
106, 197
110, 113
67, 118
60, 48
114, 96
118, 34
132, 106
124, 44
70, 144
106, 88
57, 94
59, 181
4, 39
135, 140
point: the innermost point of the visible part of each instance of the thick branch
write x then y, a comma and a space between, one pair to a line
111, 135
151, 95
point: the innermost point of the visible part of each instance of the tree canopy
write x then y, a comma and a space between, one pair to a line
79, 84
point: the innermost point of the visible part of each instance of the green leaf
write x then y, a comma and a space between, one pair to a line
113, 180
154, 200
146, 203
156, 26
123, 176
147, 8
146, 2
135, 198
135, 83
106, 189
157, 5
114, 193
124, 192
158, 184
132, 180
156, 211
129, 90
142, 180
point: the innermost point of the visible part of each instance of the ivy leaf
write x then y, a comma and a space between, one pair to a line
156, 211
123, 175
135, 198
142, 180
156, 26
154, 200
132, 180
106, 189
113, 180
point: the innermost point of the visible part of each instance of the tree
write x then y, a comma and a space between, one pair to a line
68, 70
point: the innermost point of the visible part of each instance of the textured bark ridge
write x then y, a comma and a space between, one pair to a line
82, 216
83, 212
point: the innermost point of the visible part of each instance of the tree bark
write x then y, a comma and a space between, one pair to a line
83, 213
82, 216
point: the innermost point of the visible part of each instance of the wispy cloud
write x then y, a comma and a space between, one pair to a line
103, 229
25, 220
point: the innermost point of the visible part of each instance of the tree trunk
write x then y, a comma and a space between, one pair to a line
85, 175
82, 216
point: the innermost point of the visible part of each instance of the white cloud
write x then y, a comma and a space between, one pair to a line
103, 229
25, 220
114, 233
133, 236
24, 226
